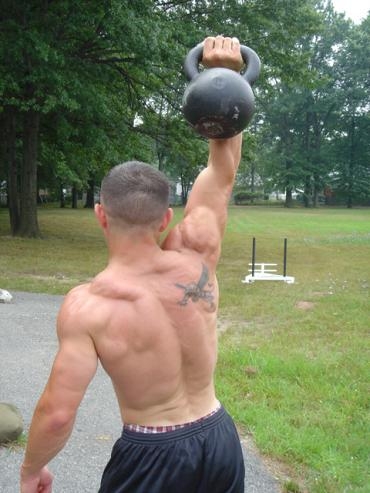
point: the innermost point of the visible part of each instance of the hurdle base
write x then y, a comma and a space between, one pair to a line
267, 277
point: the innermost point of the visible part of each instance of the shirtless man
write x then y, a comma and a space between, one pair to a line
150, 318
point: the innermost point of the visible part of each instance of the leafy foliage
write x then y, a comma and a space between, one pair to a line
85, 85
316, 132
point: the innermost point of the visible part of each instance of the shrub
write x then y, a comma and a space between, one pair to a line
243, 197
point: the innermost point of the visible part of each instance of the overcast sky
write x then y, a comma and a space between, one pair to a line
355, 9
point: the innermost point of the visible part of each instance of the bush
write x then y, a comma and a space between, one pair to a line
243, 197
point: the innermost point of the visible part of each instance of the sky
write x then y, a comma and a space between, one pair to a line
354, 9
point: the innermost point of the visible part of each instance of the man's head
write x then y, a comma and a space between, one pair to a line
135, 194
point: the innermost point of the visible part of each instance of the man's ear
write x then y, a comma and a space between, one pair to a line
101, 216
166, 219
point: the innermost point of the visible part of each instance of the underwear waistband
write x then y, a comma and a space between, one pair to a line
168, 428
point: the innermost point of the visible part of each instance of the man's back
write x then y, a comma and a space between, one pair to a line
154, 330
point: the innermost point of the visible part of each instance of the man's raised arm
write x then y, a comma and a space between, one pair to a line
206, 211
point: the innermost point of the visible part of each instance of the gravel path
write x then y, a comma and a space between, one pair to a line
27, 349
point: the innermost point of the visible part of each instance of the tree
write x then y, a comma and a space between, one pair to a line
319, 103
64, 58
351, 145
303, 132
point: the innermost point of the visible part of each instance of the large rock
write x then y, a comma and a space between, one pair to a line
11, 423
5, 296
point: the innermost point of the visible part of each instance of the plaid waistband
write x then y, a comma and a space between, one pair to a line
167, 428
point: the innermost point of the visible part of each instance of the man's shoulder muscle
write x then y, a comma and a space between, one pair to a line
78, 311
198, 231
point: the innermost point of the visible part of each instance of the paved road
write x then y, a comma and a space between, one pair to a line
27, 348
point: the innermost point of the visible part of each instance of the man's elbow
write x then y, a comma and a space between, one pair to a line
61, 422
57, 420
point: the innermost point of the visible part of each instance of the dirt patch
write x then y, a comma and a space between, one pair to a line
223, 324
58, 277
305, 305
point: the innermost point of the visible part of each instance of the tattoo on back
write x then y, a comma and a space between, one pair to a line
196, 291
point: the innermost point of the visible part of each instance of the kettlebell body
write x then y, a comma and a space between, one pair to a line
219, 102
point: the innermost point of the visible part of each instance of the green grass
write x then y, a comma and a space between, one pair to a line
72, 251
15, 445
296, 379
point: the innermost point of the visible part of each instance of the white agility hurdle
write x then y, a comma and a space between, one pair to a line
263, 271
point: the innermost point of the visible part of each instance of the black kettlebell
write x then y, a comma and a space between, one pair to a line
219, 102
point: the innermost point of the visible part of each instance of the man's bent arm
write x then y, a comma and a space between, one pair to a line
54, 416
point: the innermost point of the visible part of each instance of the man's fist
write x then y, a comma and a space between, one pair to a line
222, 52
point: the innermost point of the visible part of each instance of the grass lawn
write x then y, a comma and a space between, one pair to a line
294, 361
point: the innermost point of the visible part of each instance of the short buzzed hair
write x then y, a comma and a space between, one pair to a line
135, 193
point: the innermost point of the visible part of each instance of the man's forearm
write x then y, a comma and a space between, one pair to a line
48, 435
226, 153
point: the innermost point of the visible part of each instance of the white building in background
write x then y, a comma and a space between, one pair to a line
277, 195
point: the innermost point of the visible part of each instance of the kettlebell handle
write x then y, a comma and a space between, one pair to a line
249, 56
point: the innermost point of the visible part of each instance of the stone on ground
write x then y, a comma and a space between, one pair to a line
11, 423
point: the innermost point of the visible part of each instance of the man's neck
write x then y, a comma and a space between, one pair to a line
131, 247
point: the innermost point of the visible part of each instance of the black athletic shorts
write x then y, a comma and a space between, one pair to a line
203, 457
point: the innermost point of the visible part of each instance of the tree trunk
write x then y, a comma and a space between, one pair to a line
317, 184
288, 197
62, 198
11, 165
351, 164
307, 192
13, 197
160, 156
288, 186
306, 145
253, 177
185, 187
316, 189
90, 195
74, 197
28, 225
